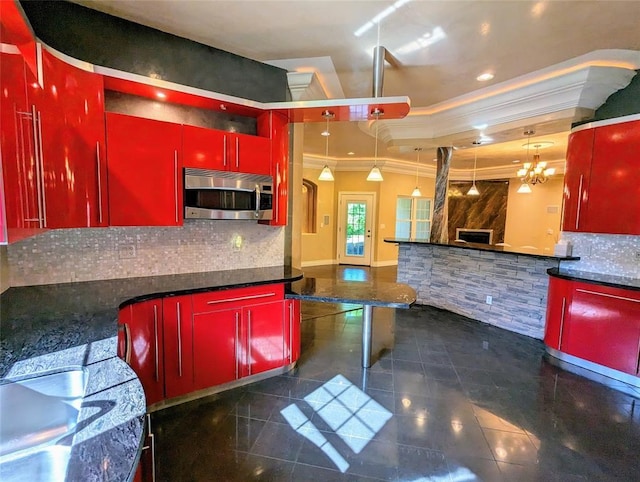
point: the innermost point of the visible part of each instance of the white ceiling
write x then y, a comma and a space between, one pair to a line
463, 39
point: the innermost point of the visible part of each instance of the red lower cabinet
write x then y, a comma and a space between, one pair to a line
141, 345
558, 299
216, 350
264, 329
292, 335
604, 326
178, 345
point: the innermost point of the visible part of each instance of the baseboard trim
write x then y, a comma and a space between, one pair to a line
379, 264
318, 262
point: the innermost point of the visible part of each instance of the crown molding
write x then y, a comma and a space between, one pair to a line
562, 91
305, 86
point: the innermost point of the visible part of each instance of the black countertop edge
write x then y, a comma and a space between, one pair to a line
193, 283
481, 247
596, 278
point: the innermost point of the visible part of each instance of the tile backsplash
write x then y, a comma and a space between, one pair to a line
615, 254
68, 255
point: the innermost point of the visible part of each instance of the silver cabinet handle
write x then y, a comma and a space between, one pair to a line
579, 201
99, 183
249, 339
276, 198
257, 213
44, 196
127, 342
236, 343
155, 338
175, 180
224, 151
237, 153
290, 331
607, 295
251, 297
564, 302
39, 176
179, 340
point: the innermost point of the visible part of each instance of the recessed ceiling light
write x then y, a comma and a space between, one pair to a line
484, 77
435, 159
350, 153
325, 133
480, 127
161, 95
515, 161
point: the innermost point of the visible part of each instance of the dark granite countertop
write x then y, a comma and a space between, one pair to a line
482, 247
596, 278
74, 324
376, 293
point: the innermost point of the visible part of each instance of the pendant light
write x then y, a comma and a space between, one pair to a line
416, 192
473, 191
326, 174
375, 174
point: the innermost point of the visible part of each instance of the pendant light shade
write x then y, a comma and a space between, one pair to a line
326, 174
473, 191
524, 188
375, 174
416, 192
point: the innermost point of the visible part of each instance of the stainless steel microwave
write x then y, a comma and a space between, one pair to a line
227, 195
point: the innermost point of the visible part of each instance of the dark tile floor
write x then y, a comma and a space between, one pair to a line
455, 400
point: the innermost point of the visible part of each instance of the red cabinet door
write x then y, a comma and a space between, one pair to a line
216, 347
577, 180
178, 345
558, 300
292, 329
144, 171
142, 345
205, 148
264, 325
275, 126
614, 194
73, 148
21, 168
251, 154
604, 326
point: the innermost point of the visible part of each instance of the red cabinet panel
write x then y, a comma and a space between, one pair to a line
275, 126
577, 180
142, 345
558, 301
144, 171
292, 330
251, 154
73, 146
178, 345
216, 347
205, 148
236, 297
614, 192
264, 337
604, 326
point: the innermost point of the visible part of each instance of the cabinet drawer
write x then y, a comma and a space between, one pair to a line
237, 297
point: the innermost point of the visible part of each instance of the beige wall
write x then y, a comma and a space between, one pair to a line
528, 216
321, 247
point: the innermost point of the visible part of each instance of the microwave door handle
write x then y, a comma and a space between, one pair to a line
257, 213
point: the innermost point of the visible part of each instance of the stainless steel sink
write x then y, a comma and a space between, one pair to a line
38, 416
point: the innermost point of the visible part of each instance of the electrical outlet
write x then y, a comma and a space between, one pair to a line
637, 255
489, 300
127, 251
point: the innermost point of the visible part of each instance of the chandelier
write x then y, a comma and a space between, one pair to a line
536, 171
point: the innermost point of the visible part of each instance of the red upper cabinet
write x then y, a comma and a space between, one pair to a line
576, 180
275, 126
226, 151
144, 162
205, 148
614, 191
71, 111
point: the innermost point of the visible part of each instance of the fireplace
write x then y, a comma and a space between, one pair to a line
482, 236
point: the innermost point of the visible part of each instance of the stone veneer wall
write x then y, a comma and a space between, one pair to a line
616, 254
459, 280
68, 255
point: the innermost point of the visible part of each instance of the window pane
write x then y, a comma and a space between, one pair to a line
403, 229
422, 230
423, 209
356, 220
403, 208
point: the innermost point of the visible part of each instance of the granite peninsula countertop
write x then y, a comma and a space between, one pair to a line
596, 278
481, 247
374, 293
75, 324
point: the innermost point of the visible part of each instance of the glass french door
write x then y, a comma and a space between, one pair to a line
354, 228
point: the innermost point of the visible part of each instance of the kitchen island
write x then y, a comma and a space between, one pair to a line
495, 285
74, 324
